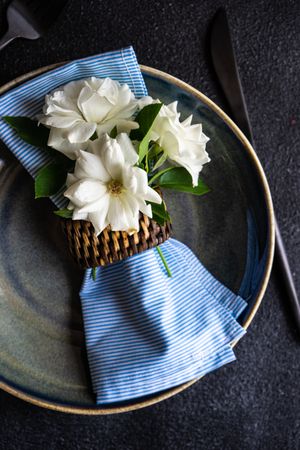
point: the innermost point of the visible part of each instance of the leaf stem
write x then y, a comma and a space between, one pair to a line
164, 261
158, 174
94, 273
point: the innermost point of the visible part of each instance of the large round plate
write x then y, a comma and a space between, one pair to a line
42, 356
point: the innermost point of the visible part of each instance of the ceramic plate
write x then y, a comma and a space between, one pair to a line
42, 356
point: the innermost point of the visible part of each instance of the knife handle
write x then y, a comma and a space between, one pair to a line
283, 266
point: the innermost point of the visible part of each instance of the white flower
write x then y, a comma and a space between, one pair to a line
76, 111
182, 142
107, 189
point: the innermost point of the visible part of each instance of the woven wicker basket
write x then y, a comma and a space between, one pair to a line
90, 250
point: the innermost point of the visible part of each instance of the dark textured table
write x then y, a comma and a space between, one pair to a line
253, 403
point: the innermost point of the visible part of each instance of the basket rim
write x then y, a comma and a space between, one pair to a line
90, 250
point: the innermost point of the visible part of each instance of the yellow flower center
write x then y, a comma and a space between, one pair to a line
114, 187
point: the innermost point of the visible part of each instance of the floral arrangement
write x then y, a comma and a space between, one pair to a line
111, 153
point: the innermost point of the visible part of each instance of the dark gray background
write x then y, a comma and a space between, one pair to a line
253, 403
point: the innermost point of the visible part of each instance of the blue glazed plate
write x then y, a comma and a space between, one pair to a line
42, 356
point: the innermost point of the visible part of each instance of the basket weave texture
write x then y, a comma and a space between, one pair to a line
90, 250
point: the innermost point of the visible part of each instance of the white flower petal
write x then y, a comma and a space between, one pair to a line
71, 179
79, 216
145, 209
145, 101
152, 196
187, 122
63, 107
99, 221
72, 89
141, 185
59, 142
96, 146
89, 165
107, 88
116, 215
133, 203
129, 180
112, 156
85, 191
59, 121
81, 132
132, 219
123, 126
130, 155
126, 104
170, 142
93, 107
169, 110
100, 205
120, 216
133, 225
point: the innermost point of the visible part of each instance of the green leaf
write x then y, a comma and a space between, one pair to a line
50, 179
152, 156
114, 132
179, 179
94, 136
37, 135
60, 159
154, 151
65, 213
158, 219
160, 161
159, 174
29, 131
145, 119
160, 213
143, 148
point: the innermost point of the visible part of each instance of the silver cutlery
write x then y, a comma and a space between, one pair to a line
224, 62
30, 19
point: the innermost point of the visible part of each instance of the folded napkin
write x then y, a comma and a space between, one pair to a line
155, 331
145, 332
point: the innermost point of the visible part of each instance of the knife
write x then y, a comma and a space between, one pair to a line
224, 62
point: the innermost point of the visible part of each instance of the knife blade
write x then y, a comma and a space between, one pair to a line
225, 66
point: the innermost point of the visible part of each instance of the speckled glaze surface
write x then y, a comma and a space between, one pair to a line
42, 355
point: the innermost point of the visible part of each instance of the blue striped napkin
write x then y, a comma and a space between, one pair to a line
155, 331
145, 332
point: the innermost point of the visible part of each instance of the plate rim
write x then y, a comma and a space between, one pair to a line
265, 279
